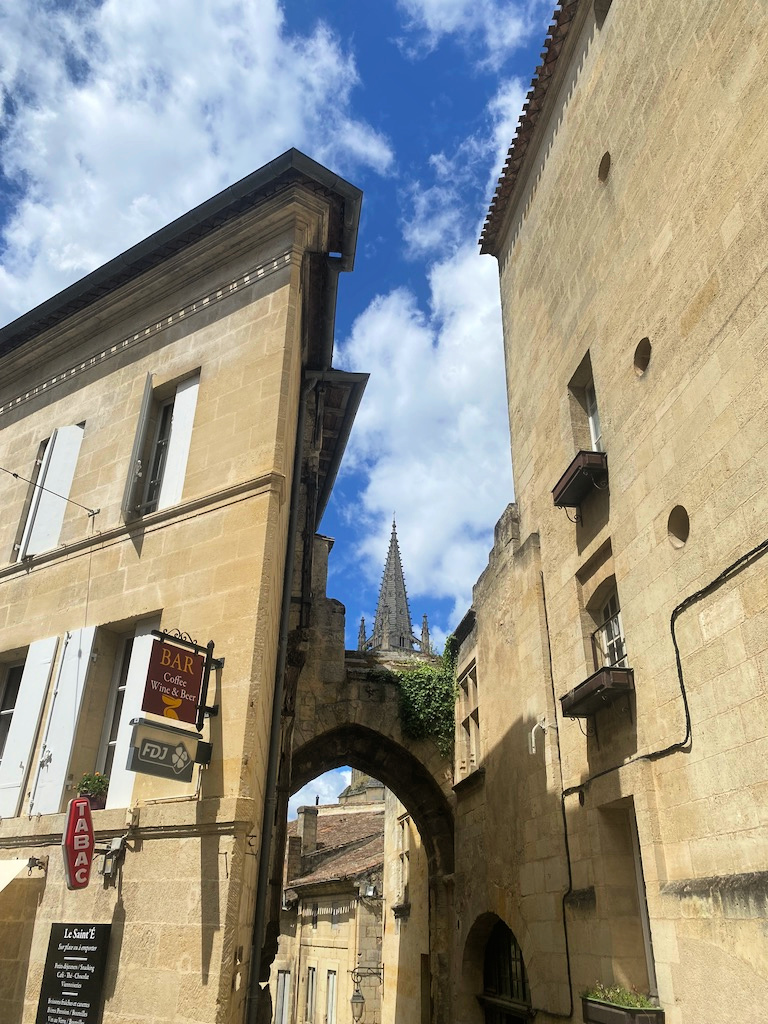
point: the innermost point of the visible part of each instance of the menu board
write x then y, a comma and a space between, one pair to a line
73, 978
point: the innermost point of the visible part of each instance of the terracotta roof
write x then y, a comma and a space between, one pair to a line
563, 17
348, 844
348, 862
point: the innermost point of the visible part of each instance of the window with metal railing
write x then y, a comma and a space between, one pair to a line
608, 644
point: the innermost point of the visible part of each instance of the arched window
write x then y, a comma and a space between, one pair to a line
506, 997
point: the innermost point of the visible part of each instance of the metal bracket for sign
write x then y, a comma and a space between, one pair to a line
185, 640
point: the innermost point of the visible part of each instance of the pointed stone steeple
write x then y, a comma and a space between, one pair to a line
361, 634
392, 628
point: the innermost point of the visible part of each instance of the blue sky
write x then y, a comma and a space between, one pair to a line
118, 117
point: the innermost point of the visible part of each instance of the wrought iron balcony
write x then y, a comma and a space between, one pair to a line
588, 470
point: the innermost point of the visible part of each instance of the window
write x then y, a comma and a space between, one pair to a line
22, 695
405, 854
468, 724
506, 996
9, 692
608, 643
52, 475
126, 693
593, 417
330, 998
311, 979
283, 999
585, 415
161, 447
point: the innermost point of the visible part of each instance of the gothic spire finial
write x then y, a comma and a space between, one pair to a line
392, 625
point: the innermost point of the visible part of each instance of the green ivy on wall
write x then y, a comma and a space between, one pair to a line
428, 699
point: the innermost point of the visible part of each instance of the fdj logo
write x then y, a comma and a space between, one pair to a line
176, 758
179, 759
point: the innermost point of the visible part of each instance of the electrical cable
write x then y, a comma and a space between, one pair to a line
680, 745
18, 476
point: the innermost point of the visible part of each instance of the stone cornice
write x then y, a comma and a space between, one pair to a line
190, 309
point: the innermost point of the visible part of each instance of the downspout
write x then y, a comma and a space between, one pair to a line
270, 791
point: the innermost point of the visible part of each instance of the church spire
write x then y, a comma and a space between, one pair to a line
392, 626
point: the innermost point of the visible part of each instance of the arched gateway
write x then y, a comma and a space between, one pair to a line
343, 709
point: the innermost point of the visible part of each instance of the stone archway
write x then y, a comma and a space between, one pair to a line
415, 786
488, 940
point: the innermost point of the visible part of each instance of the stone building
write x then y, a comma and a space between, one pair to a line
611, 773
331, 922
170, 430
354, 900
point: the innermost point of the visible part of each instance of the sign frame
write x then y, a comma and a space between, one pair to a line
72, 988
78, 843
185, 640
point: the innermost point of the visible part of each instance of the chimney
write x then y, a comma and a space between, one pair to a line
293, 867
307, 829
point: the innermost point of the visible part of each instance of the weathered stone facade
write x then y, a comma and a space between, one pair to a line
630, 229
234, 301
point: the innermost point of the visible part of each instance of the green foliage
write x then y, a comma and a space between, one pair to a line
93, 784
428, 698
618, 995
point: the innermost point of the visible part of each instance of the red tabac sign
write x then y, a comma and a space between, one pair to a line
77, 843
173, 684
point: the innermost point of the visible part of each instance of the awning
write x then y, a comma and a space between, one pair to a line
9, 869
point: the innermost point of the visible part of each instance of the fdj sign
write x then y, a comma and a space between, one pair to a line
77, 843
173, 683
163, 750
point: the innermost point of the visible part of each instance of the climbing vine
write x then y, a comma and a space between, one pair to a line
428, 698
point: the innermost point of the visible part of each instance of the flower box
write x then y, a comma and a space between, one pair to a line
595, 1011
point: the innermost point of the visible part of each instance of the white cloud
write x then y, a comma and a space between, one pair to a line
499, 25
327, 787
431, 435
121, 116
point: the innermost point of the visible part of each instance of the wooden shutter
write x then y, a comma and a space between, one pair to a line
178, 445
46, 512
62, 721
19, 745
133, 484
121, 780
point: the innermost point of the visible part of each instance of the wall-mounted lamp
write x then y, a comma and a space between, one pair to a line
357, 1002
113, 856
37, 862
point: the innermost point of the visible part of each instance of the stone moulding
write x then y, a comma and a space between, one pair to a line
204, 302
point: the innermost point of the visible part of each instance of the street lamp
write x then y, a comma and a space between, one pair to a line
357, 1002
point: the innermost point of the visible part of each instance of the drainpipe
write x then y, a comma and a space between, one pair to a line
270, 790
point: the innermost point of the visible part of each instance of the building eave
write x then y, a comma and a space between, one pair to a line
289, 169
531, 123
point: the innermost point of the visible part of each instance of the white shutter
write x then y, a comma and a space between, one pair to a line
131, 495
62, 722
46, 512
24, 724
121, 780
178, 444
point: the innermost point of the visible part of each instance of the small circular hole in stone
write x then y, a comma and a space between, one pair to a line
642, 356
605, 166
678, 526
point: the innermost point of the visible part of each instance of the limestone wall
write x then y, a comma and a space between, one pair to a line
210, 564
668, 251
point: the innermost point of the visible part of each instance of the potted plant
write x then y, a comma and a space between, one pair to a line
614, 1004
94, 785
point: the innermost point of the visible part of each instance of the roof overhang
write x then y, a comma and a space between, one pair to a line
286, 171
563, 32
